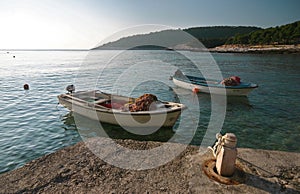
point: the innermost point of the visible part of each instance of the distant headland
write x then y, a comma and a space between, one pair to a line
239, 39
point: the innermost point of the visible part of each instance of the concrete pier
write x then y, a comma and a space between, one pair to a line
76, 169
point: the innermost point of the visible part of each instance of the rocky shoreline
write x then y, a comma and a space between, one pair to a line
263, 49
76, 169
238, 48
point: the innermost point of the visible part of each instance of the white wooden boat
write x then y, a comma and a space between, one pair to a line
199, 84
109, 108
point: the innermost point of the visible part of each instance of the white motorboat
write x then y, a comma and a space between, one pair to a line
113, 109
199, 84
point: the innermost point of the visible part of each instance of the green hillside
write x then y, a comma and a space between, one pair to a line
209, 36
285, 34
168, 38
218, 35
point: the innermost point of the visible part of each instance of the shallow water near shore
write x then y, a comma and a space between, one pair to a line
32, 125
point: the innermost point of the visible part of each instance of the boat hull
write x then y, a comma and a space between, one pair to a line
143, 119
214, 90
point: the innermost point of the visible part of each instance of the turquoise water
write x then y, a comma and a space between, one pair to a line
32, 125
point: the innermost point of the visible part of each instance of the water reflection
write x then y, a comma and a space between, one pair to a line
90, 128
238, 100
68, 121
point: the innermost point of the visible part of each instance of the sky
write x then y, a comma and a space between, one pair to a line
82, 24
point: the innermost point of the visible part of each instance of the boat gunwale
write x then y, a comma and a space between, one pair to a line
103, 109
250, 86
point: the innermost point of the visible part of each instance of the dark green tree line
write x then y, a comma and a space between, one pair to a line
286, 34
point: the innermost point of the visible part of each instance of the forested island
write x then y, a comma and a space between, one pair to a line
279, 39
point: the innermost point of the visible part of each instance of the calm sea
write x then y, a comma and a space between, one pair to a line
32, 124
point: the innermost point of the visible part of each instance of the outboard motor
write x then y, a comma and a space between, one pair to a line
70, 88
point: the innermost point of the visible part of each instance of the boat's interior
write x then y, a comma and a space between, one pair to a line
200, 81
104, 100
98, 98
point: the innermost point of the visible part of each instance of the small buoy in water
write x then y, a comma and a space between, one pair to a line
26, 87
196, 90
14, 56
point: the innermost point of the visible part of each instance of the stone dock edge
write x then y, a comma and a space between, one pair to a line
76, 169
